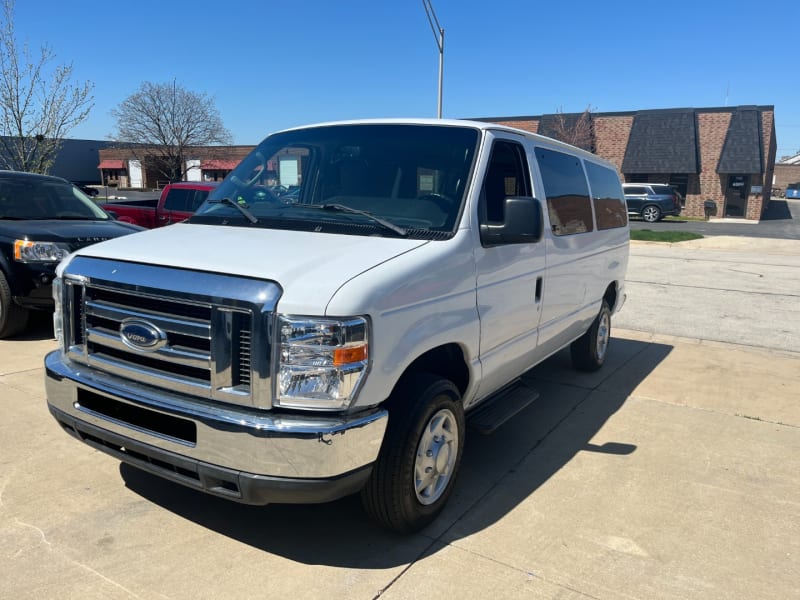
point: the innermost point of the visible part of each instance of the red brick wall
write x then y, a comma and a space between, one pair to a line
786, 174
611, 137
757, 204
711, 130
531, 125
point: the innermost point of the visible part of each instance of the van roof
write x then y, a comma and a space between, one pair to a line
481, 125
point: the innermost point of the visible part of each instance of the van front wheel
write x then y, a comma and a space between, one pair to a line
415, 471
589, 351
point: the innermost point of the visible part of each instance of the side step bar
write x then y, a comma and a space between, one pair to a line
498, 409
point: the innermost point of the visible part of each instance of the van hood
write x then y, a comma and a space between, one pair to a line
308, 266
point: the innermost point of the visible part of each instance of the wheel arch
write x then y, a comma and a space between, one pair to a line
447, 361
611, 295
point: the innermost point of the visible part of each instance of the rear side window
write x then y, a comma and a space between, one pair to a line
635, 190
662, 189
609, 202
567, 194
185, 200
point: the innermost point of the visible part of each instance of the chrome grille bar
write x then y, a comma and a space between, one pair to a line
206, 326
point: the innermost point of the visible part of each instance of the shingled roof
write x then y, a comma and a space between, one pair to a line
742, 152
662, 141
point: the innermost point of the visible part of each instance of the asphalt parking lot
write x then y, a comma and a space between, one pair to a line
674, 472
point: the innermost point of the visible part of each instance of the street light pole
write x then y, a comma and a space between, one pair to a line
438, 34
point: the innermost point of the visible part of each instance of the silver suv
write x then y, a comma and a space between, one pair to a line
652, 201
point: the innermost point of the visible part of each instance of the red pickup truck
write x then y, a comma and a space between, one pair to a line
177, 202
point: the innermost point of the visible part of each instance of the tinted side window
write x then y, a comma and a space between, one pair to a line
567, 193
609, 203
506, 176
635, 190
662, 189
199, 197
179, 199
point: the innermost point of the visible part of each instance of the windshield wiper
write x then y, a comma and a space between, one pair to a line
355, 211
242, 208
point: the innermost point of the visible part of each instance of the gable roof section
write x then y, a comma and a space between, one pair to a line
742, 152
662, 141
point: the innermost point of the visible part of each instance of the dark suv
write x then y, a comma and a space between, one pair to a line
652, 201
42, 220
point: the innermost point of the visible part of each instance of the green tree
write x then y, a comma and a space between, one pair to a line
161, 122
39, 103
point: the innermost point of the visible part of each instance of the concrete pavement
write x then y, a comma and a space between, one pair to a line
674, 472
732, 289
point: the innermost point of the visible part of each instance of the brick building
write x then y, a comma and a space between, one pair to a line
725, 154
135, 168
787, 171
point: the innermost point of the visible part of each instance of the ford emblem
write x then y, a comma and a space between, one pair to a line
141, 335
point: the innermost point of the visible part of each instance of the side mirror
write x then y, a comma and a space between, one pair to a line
522, 223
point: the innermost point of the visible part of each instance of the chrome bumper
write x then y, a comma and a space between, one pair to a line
177, 437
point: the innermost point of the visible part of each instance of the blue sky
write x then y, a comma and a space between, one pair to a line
271, 65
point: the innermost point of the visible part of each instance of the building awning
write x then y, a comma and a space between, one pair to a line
742, 151
218, 165
662, 141
111, 164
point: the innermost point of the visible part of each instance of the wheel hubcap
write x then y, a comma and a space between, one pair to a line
436, 456
650, 214
603, 334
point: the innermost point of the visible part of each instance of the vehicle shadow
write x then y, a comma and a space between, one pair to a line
498, 473
777, 210
40, 327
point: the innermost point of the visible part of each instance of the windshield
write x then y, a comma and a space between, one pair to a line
395, 180
24, 197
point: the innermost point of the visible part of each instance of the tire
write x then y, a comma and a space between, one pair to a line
421, 452
13, 318
589, 351
651, 213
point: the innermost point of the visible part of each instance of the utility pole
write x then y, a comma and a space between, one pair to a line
438, 34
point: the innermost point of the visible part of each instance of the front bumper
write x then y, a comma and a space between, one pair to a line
243, 454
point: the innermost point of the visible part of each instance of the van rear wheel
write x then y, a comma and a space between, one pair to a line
589, 351
416, 469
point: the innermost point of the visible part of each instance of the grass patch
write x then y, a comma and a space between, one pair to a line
647, 235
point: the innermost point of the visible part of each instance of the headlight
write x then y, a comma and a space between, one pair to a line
27, 251
322, 361
58, 323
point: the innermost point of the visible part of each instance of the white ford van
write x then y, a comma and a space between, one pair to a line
345, 303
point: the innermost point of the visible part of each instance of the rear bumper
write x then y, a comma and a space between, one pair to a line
242, 454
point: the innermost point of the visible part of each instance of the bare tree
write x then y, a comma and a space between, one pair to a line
574, 128
161, 122
39, 105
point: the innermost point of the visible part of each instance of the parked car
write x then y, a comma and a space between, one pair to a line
792, 190
266, 351
652, 201
87, 189
42, 220
177, 202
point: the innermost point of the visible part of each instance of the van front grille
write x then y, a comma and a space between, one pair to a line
202, 345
